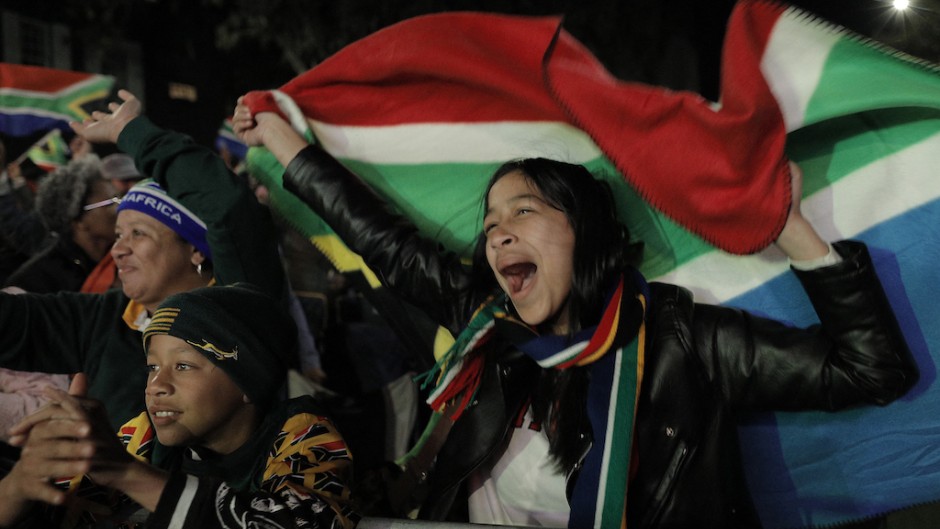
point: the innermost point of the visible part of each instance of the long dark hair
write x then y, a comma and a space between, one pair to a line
602, 250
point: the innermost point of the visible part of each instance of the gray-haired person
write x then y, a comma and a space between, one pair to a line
76, 204
120, 170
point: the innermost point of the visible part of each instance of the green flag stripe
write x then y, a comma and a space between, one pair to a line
58, 103
859, 76
449, 209
862, 139
426, 156
819, 71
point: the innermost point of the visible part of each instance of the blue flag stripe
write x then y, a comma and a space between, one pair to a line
888, 457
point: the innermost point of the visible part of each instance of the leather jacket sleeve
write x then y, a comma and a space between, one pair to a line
416, 268
857, 354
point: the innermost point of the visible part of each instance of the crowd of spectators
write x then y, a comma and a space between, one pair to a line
153, 293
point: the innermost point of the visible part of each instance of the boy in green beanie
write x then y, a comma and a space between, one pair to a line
227, 452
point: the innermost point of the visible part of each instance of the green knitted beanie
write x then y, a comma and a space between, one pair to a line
242, 330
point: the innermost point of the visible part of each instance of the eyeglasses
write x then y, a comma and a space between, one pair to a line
103, 203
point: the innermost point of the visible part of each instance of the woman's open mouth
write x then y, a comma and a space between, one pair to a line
518, 276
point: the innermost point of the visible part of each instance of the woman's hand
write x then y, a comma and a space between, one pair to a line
245, 126
799, 239
267, 129
104, 127
71, 436
30, 481
49, 450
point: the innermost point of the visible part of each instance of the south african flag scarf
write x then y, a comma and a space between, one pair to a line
613, 350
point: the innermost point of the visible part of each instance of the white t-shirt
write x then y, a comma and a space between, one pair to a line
523, 486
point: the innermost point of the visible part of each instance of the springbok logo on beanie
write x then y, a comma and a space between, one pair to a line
212, 349
150, 199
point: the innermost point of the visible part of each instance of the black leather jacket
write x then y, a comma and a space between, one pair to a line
704, 363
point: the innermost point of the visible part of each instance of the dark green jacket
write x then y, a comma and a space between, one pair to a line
70, 332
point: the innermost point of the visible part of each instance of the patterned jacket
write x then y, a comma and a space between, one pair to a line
292, 473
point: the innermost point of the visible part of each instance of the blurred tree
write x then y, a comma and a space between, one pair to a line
305, 32
674, 43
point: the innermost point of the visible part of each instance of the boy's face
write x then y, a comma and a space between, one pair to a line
193, 402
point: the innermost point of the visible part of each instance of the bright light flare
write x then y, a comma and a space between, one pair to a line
900, 5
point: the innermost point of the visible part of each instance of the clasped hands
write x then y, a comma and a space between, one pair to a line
69, 436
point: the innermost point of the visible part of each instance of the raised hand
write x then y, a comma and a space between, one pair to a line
105, 127
267, 129
244, 124
799, 239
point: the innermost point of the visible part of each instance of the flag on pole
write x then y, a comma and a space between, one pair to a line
49, 153
426, 109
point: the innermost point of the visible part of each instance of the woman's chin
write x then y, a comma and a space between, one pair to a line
130, 291
555, 322
531, 316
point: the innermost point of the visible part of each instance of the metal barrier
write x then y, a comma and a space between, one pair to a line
395, 523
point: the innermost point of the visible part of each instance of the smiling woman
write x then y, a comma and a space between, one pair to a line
160, 246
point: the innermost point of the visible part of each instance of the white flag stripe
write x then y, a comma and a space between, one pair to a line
793, 62
486, 142
838, 212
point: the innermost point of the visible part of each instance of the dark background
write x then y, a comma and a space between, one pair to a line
227, 47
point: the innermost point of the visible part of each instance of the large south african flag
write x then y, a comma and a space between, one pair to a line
426, 109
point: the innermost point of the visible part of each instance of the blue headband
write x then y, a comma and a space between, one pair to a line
150, 199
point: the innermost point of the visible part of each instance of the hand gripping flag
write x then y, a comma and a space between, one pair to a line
425, 110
